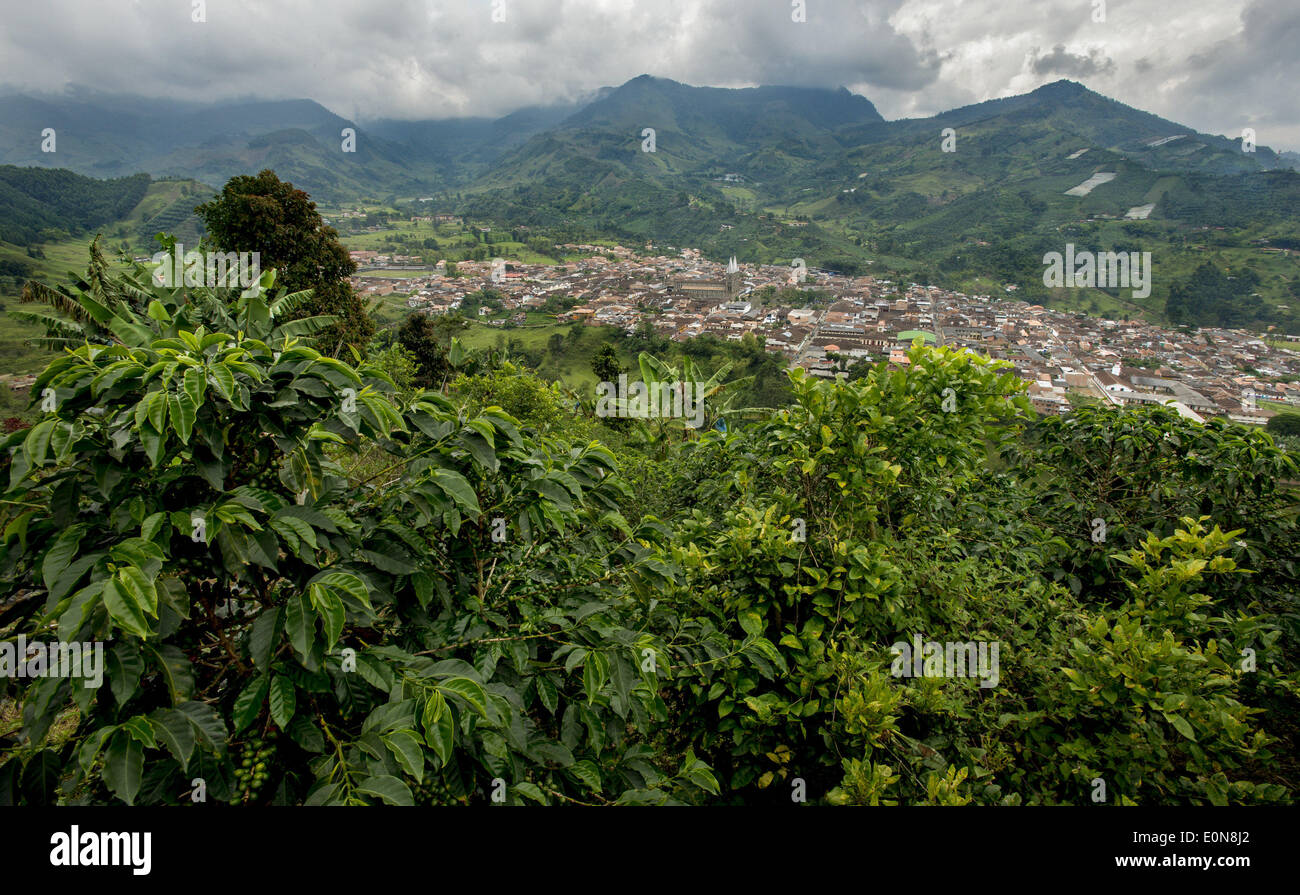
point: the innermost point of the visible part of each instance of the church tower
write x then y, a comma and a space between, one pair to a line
733, 278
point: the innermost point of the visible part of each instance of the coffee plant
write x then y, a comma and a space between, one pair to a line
282, 628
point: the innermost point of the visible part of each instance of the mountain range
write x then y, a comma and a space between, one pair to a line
760, 132
970, 196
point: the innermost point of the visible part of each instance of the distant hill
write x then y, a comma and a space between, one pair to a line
773, 173
698, 132
764, 173
110, 136
34, 201
460, 149
766, 134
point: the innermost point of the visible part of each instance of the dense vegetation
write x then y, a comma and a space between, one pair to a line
266, 215
428, 577
1209, 297
41, 204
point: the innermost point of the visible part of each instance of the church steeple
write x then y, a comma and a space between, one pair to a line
733, 278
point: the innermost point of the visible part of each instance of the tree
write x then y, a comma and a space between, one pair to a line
519, 393
1284, 424
428, 338
399, 365
267, 215
555, 344
605, 364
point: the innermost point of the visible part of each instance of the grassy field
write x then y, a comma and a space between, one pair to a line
390, 310
72, 255
454, 242
16, 355
1278, 406
1283, 345
573, 367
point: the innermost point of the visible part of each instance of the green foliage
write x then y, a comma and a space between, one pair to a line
1285, 424
605, 364
84, 309
1209, 297
833, 540
1152, 704
401, 366
525, 397
427, 339
267, 215
324, 583
188, 504
1140, 470
36, 200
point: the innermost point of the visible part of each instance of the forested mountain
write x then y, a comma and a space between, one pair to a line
35, 200
460, 149
108, 136
975, 196
763, 133
112, 135
971, 198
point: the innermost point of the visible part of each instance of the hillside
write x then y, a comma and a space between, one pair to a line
48, 216
767, 174
460, 149
36, 201
110, 136
819, 175
698, 132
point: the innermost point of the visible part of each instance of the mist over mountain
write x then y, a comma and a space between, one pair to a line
115, 136
762, 132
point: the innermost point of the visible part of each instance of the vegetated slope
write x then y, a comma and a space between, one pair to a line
34, 200
864, 188
766, 173
42, 207
460, 149
110, 135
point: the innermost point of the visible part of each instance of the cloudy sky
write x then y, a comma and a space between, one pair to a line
1216, 65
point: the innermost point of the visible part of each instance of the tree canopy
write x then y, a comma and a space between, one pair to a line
264, 214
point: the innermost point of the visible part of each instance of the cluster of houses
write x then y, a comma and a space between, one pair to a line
833, 322
1063, 356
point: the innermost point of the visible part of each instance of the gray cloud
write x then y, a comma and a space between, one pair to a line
1216, 65
1074, 65
1249, 79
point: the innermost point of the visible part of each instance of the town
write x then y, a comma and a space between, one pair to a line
838, 321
